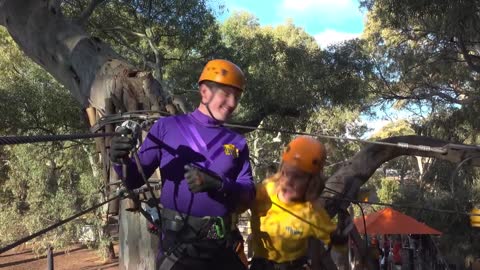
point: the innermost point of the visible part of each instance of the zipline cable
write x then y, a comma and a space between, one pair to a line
9, 140
118, 118
445, 211
143, 115
426, 148
117, 194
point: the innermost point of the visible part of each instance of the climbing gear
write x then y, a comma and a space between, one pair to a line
192, 237
238, 245
305, 153
121, 145
190, 228
124, 141
223, 72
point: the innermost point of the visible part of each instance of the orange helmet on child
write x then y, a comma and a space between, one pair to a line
223, 72
305, 153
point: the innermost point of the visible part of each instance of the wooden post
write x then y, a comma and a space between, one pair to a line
110, 177
138, 247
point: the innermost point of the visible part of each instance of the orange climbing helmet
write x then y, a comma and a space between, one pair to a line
305, 153
223, 72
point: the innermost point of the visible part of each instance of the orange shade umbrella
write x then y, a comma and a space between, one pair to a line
389, 221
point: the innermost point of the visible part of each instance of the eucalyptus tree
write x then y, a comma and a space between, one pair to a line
42, 184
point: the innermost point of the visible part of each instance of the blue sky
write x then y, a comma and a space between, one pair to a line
328, 21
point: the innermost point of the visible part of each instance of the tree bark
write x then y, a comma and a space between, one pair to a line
86, 66
347, 180
93, 73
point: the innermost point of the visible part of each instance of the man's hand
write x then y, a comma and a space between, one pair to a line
121, 145
199, 181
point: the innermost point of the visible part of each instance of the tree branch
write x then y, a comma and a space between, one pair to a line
158, 60
467, 56
346, 181
123, 29
433, 91
82, 19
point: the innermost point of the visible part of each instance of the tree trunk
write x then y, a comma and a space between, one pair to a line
93, 73
86, 66
347, 180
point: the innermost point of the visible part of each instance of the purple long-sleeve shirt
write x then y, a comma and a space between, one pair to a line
195, 138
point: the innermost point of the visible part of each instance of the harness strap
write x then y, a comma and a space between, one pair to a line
197, 228
168, 261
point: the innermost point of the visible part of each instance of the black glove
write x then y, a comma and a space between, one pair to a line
121, 145
199, 181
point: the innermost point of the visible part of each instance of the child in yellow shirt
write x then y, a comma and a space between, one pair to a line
283, 218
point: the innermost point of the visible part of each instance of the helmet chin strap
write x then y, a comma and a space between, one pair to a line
208, 107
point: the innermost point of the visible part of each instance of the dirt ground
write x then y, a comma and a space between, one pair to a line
79, 257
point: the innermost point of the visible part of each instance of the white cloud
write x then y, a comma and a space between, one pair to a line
329, 37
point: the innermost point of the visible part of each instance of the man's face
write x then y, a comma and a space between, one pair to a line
222, 100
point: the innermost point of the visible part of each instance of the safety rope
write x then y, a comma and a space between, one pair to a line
153, 199
364, 225
115, 195
30, 237
133, 196
9, 140
439, 210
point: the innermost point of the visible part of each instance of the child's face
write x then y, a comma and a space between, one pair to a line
292, 184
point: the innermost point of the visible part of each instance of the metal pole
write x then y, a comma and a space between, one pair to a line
50, 257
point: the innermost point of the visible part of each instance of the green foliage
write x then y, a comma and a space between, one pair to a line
388, 190
425, 56
341, 122
424, 51
41, 184
155, 35
29, 96
398, 128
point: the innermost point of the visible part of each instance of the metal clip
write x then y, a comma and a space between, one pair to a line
219, 227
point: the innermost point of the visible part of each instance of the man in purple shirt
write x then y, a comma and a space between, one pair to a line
205, 170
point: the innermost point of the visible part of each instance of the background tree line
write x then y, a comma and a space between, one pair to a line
420, 56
